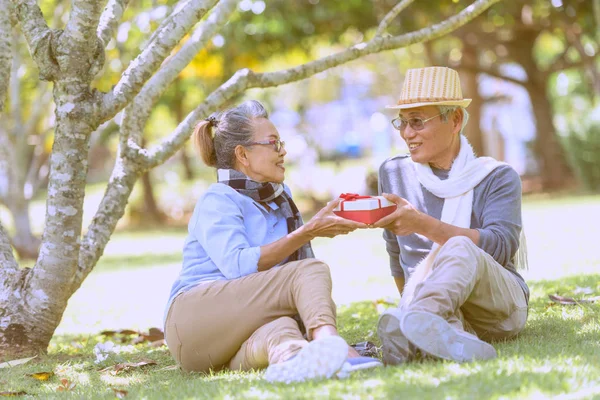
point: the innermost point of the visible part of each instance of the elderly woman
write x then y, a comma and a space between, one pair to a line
248, 267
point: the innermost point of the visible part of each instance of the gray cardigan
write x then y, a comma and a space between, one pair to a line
496, 215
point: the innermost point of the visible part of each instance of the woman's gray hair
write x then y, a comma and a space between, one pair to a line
446, 111
234, 127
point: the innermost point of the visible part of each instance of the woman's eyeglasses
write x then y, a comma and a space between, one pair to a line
415, 123
276, 143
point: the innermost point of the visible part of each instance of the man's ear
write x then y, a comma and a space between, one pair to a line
241, 155
457, 119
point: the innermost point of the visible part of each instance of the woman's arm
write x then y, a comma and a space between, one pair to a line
324, 224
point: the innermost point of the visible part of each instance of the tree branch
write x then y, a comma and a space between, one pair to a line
561, 65
137, 113
493, 72
5, 49
110, 210
140, 69
80, 31
38, 36
7, 258
245, 79
109, 21
389, 17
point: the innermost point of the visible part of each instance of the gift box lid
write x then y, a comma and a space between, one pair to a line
362, 203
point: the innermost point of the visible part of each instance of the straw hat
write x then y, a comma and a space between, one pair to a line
431, 86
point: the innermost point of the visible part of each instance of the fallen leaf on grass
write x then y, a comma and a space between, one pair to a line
571, 301
119, 332
120, 393
153, 335
65, 385
41, 376
127, 366
12, 394
16, 362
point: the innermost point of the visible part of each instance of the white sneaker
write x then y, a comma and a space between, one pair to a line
321, 358
435, 336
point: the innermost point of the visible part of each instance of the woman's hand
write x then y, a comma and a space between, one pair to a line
326, 224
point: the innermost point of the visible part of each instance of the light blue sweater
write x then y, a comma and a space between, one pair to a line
225, 234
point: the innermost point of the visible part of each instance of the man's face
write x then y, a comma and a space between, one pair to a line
438, 142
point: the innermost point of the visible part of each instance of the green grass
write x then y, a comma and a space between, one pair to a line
557, 355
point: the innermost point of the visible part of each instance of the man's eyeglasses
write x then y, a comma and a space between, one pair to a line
276, 143
415, 123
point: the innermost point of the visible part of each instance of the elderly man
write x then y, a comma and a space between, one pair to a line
454, 241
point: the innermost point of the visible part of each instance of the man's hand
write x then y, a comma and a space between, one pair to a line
404, 221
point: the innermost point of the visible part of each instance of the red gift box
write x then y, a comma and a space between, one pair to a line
365, 209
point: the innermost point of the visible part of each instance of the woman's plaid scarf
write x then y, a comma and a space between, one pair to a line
266, 192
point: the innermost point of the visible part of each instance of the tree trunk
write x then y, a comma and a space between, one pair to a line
151, 208
470, 87
555, 171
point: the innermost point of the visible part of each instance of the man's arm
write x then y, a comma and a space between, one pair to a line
500, 218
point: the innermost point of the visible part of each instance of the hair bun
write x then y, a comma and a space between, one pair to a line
212, 120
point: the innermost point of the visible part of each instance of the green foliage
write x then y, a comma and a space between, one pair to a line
582, 144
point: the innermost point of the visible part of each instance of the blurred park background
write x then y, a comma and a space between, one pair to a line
531, 67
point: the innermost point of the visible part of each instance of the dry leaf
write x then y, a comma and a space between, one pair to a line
16, 362
119, 332
571, 301
120, 393
65, 385
12, 394
42, 376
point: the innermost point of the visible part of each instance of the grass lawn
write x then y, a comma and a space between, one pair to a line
557, 356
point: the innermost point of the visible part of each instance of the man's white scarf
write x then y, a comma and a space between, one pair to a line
457, 191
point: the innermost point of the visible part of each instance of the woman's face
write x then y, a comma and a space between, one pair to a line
261, 162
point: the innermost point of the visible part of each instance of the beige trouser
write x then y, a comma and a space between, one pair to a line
469, 289
246, 323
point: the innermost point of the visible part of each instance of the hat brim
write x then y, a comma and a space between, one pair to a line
461, 103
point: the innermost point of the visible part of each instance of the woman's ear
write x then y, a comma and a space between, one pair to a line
241, 155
